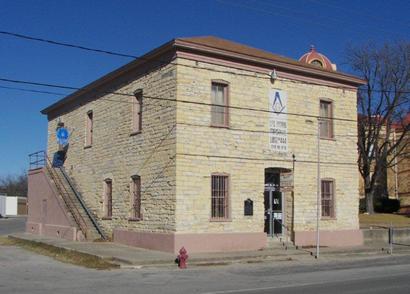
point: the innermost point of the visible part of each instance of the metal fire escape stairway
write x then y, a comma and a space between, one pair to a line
74, 203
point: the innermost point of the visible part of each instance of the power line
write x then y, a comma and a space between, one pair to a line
257, 74
369, 14
75, 46
266, 159
292, 15
169, 99
262, 131
21, 36
189, 109
32, 91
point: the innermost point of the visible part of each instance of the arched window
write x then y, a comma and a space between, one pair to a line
137, 111
317, 62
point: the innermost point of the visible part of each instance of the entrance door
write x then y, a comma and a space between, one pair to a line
273, 211
277, 212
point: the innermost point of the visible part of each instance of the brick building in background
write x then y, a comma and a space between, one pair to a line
207, 144
398, 177
395, 182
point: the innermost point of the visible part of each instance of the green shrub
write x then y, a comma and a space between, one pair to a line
386, 205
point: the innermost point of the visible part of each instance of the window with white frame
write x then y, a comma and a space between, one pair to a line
219, 108
326, 119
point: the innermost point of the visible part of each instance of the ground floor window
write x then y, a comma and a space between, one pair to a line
219, 197
108, 198
328, 198
136, 197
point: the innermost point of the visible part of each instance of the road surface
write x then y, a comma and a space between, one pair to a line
25, 272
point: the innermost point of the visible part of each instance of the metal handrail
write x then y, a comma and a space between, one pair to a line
39, 160
93, 220
286, 233
67, 199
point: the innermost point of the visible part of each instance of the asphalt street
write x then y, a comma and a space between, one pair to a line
25, 272
12, 225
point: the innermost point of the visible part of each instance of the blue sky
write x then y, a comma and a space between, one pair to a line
284, 27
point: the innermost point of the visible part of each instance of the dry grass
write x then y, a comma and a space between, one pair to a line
60, 254
383, 220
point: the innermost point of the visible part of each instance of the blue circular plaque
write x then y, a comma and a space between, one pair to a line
62, 135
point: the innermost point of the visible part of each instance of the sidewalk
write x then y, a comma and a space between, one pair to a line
127, 256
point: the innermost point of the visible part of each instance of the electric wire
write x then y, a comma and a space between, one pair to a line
169, 99
256, 74
231, 128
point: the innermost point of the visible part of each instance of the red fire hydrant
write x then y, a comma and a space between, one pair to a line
182, 258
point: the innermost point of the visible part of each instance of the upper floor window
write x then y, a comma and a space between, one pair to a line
326, 119
219, 197
328, 198
135, 197
137, 112
89, 129
107, 198
219, 109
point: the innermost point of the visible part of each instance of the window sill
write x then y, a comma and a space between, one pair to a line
106, 218
134, 219
219, 126
328, 138
135, 133
328, 218
88, 146
220, 220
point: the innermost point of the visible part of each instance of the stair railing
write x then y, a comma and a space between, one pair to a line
41, 160
80, 199
59, 183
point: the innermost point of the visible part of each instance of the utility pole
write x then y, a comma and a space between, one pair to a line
318, 191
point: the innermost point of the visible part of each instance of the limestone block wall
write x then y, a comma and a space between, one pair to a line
118, 154
243, 152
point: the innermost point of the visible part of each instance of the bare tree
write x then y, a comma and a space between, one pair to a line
382, 104
14, 185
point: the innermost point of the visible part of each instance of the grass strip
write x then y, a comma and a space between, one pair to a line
60, 254
384, 220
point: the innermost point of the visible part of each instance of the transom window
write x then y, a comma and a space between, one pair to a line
220, 197
219, 108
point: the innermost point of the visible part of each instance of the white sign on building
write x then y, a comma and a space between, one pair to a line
278, 121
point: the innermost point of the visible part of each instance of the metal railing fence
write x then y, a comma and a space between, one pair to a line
41, 160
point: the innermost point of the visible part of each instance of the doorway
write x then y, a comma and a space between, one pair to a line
273, 202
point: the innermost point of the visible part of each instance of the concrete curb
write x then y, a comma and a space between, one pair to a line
263, 257
123, 263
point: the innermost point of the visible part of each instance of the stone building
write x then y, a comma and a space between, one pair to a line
208, 144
